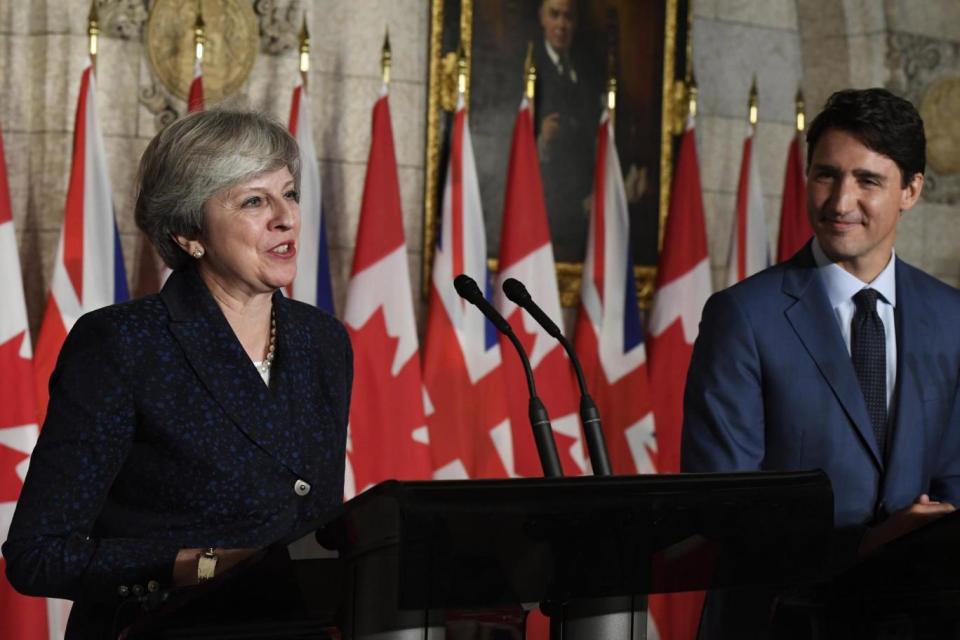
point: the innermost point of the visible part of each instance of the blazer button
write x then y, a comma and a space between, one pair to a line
123, 591
301, 488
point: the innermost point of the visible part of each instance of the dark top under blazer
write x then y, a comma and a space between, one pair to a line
161, 435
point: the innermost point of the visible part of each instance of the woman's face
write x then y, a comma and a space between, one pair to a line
250, 234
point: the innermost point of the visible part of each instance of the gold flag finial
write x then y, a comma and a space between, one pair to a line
611, 83
801, 117
753, 112
529, 75
692, 91
461, 70
199, 33
304, 47
93, 30
386, 57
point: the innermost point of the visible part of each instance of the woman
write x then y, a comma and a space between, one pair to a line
188, 428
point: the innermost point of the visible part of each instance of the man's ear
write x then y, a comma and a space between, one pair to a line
911, 193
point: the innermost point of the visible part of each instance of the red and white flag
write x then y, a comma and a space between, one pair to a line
88, 272
465, 398
21, 617
795, 227
609, 335
195, 97
312, 284
682, 288
749, 242
526, 254
387, 433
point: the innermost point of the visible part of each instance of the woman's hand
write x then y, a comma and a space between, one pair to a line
185, 565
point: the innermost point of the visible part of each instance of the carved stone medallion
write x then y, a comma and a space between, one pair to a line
232, 41
939, 110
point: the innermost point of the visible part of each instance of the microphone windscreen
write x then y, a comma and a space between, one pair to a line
467, 288
515, 291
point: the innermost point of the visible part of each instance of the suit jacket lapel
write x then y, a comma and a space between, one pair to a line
812, 318
221, 364
913, 334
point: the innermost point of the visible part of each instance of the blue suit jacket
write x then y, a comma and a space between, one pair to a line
161, 435
771, 386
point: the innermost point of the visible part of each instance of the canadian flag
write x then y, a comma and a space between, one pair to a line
465, 398
682, 288
312, 284
387, 433
609, 335
195, 97
526, 254
21, 617
749, 243
795, 227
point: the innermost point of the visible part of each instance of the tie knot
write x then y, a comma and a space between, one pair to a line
866, 299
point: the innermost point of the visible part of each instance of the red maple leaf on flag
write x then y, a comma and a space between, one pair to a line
559, 401
17, 406
385, 410
464, 412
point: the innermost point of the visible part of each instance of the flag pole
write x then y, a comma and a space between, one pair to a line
304, 51
690, 78
93, 34
386, 58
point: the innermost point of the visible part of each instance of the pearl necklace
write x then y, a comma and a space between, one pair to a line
268, 361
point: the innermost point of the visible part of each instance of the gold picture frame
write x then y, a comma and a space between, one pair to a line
442, 97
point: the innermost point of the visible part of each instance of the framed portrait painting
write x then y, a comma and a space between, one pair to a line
576, 47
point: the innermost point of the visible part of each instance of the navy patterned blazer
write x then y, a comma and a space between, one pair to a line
161, 435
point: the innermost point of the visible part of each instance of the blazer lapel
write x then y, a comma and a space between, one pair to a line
812, 318
221, 364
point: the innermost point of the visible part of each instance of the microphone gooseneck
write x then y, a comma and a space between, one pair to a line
589, 414
468, 289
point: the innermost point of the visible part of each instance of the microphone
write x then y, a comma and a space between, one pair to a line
589, 415
468, 289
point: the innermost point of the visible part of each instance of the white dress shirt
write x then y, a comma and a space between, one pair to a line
842, 285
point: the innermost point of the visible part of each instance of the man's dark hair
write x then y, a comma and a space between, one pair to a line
881, 121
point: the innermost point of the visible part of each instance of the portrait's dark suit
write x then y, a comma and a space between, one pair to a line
771, 386
567, 162
161, 435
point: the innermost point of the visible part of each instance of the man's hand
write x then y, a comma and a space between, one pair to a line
923, 511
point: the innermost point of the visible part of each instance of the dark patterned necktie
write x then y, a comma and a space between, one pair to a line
869, 353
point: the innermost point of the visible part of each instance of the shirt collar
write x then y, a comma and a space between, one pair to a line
551, 53
842, 285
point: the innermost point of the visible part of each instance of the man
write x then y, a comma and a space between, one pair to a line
845, 358
568, 105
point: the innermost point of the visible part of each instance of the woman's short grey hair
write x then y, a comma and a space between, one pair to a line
197, 157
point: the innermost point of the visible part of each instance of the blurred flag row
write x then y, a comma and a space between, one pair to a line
459, 409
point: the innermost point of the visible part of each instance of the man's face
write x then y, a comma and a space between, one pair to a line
854, 199
558, 19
